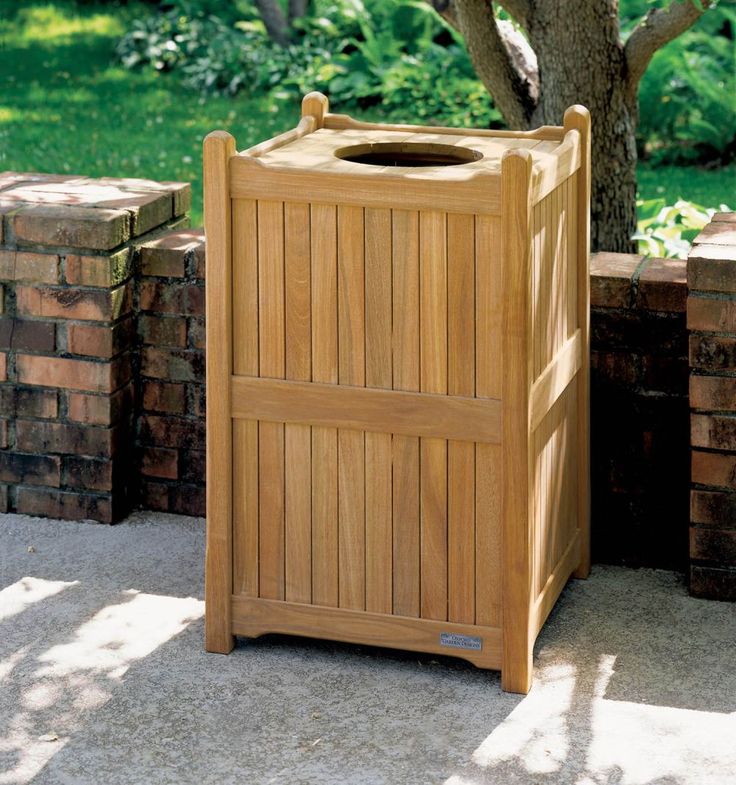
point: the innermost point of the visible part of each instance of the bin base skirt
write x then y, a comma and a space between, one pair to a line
252, 617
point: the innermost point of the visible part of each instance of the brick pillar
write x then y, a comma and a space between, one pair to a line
68, 338
171, 428
711, 317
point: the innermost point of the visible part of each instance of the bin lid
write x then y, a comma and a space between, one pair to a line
393, 153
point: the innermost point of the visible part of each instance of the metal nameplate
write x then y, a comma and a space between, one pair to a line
456, 641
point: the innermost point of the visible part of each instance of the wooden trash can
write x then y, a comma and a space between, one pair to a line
397, 384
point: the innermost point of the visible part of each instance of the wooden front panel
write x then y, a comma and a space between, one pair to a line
556, 357
373, 520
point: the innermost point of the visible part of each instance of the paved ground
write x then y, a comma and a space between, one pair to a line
104, 680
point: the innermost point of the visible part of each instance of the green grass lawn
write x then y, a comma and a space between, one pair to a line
66, 105
707, 187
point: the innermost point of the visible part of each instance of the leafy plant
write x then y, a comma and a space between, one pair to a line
394, 53
668, 230
688, 94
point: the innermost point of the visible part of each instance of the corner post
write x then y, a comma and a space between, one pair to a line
219, 147
516, 206
317, 106
578, 117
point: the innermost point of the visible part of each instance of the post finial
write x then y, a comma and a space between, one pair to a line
315, 105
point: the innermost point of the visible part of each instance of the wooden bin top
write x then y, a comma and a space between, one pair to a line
457, 169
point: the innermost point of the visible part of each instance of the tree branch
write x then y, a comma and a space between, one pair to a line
512, 88
446, 9
659, 27
519, 9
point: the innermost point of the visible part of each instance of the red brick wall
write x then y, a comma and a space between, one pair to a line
68, 352
711, 317
640, 446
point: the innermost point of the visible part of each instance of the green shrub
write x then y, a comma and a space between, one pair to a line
396, 53
688, 94
668, 230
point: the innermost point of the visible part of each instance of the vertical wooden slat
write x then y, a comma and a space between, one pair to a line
405, 255
578, 117
537, 507
540, 264
571, 232
536, 287
245, 287
298, 446
559, 269
378, 373
218, 148
488, 475
461, 381
433, 378
245, 432
245, 507
516, 674
324, 440
271, 340
351, 370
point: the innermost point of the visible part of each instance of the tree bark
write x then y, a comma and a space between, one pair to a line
581, 60
274, 20
297, 9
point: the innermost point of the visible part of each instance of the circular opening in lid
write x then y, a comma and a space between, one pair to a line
407, 154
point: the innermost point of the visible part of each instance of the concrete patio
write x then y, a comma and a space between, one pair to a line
104, 680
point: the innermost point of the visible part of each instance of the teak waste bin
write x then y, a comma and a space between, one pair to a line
397, 384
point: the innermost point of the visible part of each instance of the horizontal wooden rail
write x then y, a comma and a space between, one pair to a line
555, 378
568, 156
305, 126
340, 122
253, 617
479, 192
367, 409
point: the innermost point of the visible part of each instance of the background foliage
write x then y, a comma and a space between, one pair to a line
130, 89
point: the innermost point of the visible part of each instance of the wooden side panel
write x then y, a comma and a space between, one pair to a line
271, 341
378, 373
554, 443
433, 379
461, 455
351, 370
488, 383
297, 438
323, 226
245, 433
405, 449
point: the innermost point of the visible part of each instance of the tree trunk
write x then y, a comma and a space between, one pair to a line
297, 9
274, 21
581, 60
